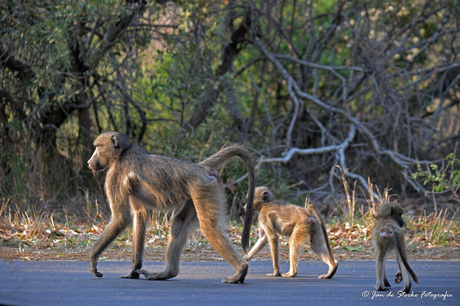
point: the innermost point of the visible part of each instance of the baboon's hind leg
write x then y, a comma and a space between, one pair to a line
381, 284
385, 279
210, 203
140, 215
183, 223
297, 238
321, 247
404, 273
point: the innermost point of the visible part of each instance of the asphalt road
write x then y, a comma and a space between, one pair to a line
71, 283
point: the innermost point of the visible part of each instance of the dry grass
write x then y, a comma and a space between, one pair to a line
32, 236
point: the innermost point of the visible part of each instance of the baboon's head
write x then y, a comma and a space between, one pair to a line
262, 195
109, 146
391, 210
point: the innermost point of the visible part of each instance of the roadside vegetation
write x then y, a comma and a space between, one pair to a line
342, 101
33, 236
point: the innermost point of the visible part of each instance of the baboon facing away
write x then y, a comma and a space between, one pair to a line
388, 234
136, 180
292, 221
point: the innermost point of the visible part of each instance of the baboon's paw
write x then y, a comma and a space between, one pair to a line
405, 290
274, 274
97, 274
93, 268
326, 276
330, 273
398, 278
155, 276
288, 274
143, 272
233, 280
132, 275
238, 277
380, 288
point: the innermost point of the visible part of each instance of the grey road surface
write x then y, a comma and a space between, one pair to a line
71, 283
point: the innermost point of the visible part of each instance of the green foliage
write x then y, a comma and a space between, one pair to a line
442, 178
351, 248
151, 75
44, 30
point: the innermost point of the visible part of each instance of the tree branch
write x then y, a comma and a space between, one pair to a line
399, 159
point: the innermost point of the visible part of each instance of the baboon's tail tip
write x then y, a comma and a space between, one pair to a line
245, 242
247, 226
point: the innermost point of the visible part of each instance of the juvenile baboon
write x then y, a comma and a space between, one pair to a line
292, 221
136, 180
388, 234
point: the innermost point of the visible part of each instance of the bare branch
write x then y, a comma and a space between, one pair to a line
313, 65
399, 159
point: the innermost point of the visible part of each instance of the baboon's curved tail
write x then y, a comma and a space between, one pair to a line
313, 208
217, 160
402, 255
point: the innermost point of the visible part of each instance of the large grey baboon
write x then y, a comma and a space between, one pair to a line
137, 180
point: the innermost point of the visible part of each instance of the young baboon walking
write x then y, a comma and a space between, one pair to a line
292, 221
388, 234
137, 180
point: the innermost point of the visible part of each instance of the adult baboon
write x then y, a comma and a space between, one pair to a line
388, 234
137, 180
292, 221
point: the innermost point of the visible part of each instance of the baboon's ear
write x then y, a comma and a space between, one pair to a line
265, 197
115, 142
118, 143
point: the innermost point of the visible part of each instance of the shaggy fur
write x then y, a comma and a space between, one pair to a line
137, 180
387, 235
291, 221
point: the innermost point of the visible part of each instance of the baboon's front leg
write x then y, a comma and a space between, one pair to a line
259, 245
113, 229
140, 217
183, 223
274, 250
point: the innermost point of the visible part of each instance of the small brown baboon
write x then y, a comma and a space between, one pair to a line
292, 221
388, 234
137, 180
